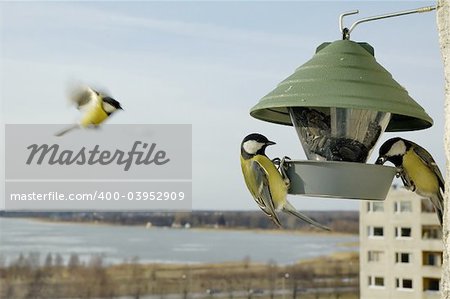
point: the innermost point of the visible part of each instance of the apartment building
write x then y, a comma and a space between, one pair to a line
400, 247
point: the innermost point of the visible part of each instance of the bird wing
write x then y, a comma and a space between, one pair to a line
426, 158
262, 194
438, 201
84, 97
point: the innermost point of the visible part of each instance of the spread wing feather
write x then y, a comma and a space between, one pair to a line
83, 97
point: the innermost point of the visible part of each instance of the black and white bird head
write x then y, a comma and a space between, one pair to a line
254, 144
110, 105
393, 151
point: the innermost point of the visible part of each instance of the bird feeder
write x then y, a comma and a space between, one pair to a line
340, 103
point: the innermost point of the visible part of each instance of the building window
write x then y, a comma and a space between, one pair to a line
432, 258
431, 232
403, 206
403, 232
376, 281
375, 206
403, 257
374, 255
375, 231
426, 206
431, 284
403, 283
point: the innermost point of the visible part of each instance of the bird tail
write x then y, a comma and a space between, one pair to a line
66, 130
292, 210
438, 202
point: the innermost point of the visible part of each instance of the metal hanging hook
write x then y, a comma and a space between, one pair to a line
346, 31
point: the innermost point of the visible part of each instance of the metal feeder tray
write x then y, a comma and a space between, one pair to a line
340, 179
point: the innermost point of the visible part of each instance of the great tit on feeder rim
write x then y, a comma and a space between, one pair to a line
417, 169
264, 181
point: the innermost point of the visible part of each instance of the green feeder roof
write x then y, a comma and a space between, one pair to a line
343, 74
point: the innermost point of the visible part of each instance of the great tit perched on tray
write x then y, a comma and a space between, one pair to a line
264, 181
417, 169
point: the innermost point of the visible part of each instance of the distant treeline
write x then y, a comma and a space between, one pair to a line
338, 221
324, 277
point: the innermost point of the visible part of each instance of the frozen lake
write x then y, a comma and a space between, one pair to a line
163, 245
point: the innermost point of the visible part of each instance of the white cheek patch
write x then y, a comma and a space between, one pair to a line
252, 146
398, 148
108, 107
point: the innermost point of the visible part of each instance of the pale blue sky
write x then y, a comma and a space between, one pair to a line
205, 63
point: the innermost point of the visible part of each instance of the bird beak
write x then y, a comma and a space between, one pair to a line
270, 143
381, 160
120, 108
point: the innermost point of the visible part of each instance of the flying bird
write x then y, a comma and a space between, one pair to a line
417, 169
264, 181
96, 107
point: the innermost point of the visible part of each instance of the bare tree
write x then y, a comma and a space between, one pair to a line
152, 279
272, 273
36, 286
20, 267
185, 282
443, 23
74, 262
313, 281
137, 282
249, 276
337, 273
34, 260
48, 263
59, 261
230, 286
7, 290
2, 261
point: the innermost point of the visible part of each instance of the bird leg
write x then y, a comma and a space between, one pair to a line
284, 165
412, 186
276, 161
399, 173
409, 185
